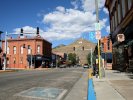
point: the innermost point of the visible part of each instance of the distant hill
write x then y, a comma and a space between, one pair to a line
79, 44
61, 45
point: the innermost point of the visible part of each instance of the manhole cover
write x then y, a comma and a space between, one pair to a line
43, 93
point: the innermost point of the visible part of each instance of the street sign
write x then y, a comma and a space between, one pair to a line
97, 27
120, 37
98, 35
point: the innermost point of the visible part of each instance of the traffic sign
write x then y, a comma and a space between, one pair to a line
97, 26
98, 35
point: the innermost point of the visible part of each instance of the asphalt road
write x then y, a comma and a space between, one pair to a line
12, 83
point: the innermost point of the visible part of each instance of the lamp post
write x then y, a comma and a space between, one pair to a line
91, 55
97, 20
31, 57
5, 52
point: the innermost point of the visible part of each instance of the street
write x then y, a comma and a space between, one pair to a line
12, 83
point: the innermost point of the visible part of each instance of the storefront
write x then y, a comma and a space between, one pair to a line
38, 61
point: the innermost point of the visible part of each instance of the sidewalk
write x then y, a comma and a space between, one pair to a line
115, 86
79, 90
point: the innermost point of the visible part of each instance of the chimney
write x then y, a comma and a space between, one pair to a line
37, 31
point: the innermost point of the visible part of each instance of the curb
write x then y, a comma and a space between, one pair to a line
2, 71
91, 92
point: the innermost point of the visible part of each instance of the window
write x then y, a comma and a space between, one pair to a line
7, 61
113, 24
123, 8
14, 50
14, 60
83, 48
129, 4
38, 49
29, 49
115, 18
73, 48
21, 60
102, 47
8, 50
119, 13
108, 45
21, 49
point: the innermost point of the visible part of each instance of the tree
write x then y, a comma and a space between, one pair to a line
89, 58
72, 58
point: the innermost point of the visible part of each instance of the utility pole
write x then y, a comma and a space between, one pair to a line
91, 57
5, 54
31, 58
97, 20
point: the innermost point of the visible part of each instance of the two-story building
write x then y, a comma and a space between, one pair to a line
106, 51
121, 27
27, 52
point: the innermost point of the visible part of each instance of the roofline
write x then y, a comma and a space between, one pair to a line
23, 39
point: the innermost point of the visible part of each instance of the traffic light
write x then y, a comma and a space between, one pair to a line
21, 32
37, 31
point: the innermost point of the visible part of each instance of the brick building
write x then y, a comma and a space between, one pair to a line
24, 52
80, 47
121, 27
106, 52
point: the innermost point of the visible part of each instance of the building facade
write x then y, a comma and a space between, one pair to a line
121, 26
80, 47
23, 53
106, 52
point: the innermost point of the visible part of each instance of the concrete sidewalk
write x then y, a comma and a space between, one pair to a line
115, 86
79, 90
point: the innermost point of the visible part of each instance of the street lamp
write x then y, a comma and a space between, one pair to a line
5, 52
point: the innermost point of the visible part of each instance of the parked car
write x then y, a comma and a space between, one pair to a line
86, 66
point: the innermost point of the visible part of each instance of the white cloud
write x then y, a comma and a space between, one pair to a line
105, 10
89, 5
66, 23
60, 9
75, 3
108, 29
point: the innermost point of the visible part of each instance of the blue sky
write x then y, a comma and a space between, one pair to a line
60, 21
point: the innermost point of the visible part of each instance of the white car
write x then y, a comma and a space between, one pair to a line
86, 66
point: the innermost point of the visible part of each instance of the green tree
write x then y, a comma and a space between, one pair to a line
89, 58
72, 58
